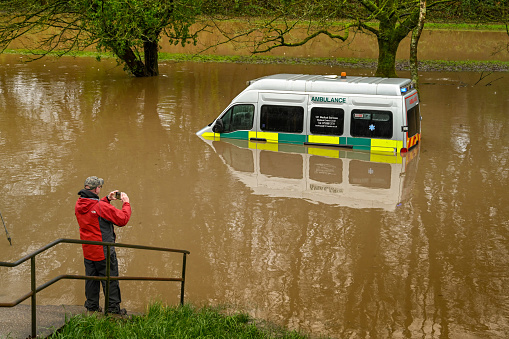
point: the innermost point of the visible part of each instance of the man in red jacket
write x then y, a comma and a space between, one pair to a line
96, 218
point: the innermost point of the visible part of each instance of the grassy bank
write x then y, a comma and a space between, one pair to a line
173, 322
461, 26
424, 65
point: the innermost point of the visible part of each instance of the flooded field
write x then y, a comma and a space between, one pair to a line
434, 44
331, 244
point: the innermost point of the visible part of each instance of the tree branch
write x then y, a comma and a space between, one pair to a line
282, 43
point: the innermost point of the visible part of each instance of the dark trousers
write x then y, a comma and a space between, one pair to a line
93, 288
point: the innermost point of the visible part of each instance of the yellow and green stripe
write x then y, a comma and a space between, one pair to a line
375, 146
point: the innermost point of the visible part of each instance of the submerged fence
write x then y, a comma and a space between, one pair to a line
35, 289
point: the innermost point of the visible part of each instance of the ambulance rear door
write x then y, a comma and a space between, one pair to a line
413, 120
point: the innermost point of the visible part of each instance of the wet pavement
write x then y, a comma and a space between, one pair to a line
16, 322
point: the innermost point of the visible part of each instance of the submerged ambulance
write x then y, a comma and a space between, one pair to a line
360, 113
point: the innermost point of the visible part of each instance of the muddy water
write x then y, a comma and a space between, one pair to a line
415, 252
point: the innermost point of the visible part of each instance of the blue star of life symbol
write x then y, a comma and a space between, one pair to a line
371, 127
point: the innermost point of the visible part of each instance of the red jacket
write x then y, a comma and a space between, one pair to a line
96, 219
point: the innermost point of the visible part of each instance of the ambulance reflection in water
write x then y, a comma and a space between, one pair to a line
326, 175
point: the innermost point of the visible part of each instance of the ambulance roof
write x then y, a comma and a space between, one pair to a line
333, 84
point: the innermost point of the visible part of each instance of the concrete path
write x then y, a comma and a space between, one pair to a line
16, 322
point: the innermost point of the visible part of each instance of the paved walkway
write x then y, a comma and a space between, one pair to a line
16, 322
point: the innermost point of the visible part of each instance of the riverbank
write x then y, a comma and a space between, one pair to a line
401, 65
173, 322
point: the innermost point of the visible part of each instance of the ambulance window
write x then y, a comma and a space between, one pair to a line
371, 124
289, 119
326, 120
239, 117
414, 121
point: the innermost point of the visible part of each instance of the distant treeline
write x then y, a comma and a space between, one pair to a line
468, 11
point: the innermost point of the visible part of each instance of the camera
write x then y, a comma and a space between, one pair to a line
117, 195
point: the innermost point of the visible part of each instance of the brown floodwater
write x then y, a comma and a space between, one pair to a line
331, 245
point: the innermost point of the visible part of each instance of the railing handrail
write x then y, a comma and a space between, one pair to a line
87, 242
107, 278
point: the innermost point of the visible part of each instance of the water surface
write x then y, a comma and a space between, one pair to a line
430, 260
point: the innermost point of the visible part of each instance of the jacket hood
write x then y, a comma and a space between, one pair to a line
86, 201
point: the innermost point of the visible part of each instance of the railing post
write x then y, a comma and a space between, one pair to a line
183, 280
106, 280
107, 293
34, 299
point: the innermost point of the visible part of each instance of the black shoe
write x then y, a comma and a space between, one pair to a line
95, 309
119, 311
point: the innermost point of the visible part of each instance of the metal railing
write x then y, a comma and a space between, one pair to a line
107, 278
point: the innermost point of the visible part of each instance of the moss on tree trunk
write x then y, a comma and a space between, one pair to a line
387, 58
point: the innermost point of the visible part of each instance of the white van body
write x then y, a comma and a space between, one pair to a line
374, 114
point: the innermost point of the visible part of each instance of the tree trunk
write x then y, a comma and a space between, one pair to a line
387, 49
416, 35
151, 58
133, 64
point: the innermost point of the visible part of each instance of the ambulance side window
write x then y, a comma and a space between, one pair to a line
288, 119
238, 117
326, 120
371, 124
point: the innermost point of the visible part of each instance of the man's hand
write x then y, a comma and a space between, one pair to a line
124, 197
111, 195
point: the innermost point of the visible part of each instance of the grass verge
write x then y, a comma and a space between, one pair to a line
424, 65
172, 322
462, 26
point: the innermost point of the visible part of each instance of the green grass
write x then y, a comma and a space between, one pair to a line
451, 26
424, 65
465, 26
172, 322
255, 59
36, 52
